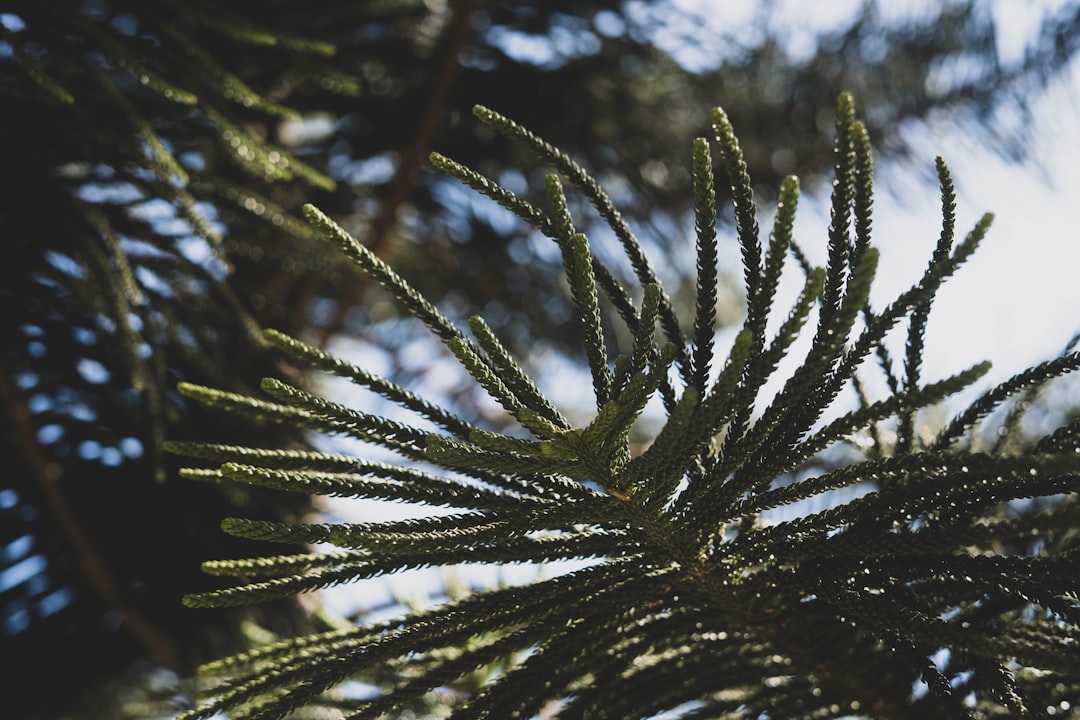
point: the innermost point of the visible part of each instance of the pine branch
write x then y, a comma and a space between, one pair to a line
315, 358
745, 219
600, 201
695, 596
1032, 377
413, 301
583, 289
518, 382
705, 224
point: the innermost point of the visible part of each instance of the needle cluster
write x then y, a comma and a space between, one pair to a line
903, 580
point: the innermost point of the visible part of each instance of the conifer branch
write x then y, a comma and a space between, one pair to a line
583, 289
780, 240
745, 218
799, 403
840, 258
277, 565
646, 329
696, 596
600, 201
228, 84
863, 191
29, 64
532, 215
1032, 377
313, 357
765, 363
705, 224
515, 377
394, 435
487, 377
866, 416
413, 301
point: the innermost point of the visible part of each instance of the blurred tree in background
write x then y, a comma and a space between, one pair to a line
156, 154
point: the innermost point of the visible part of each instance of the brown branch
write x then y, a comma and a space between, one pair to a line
413, 155
156, 643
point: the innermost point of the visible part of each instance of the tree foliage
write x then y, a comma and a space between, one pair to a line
172, 146
716, 576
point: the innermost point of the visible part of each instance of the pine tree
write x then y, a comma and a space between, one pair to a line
155, 133
907, 583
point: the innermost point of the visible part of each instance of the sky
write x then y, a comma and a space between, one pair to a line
1018, 300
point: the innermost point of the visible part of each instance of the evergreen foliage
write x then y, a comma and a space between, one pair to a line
173, 144
134, 138
721, 572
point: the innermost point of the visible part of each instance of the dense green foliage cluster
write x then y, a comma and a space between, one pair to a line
724, 573
173, 145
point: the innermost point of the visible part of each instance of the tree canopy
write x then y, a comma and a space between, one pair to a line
158, 154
